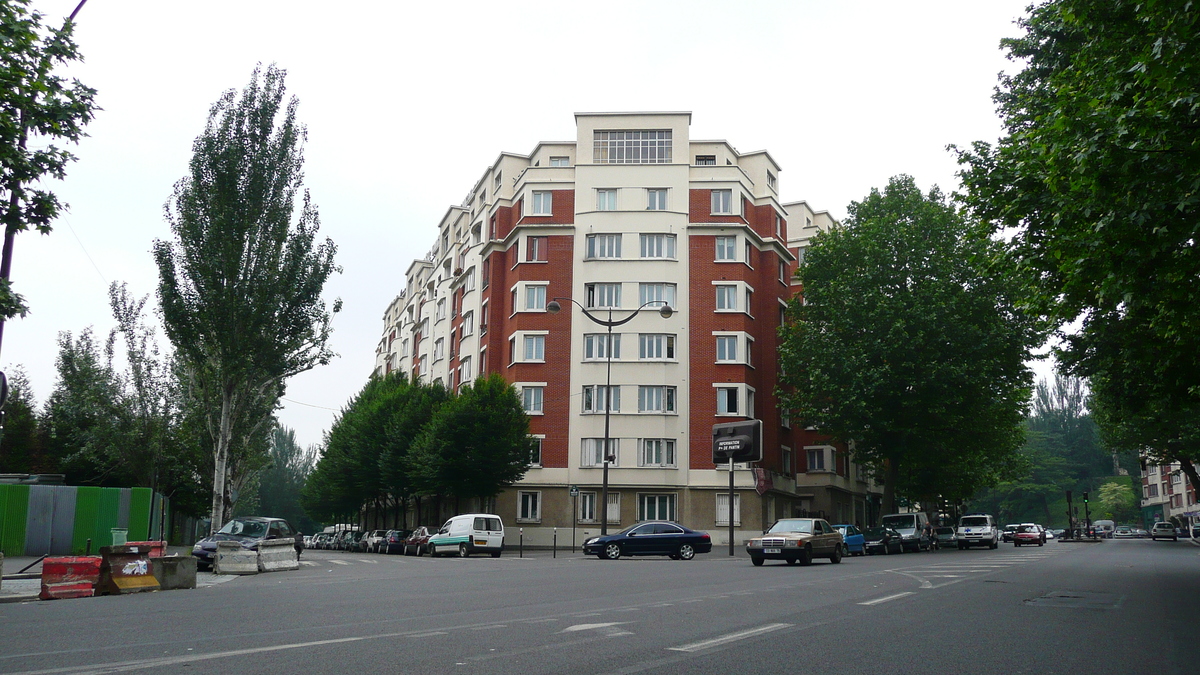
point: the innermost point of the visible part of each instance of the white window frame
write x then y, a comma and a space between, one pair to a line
657, 399
632, 146
594, 346
661, 293
536, 461
542, 203
743, 294
786, 460
605, 246
464, 370
537, 292
469, 282
656, 347
560, 161
822, 451
586, 511
613, 508
533, 398
440, 312
518, 343
605, 293
726, 298
671, 501
656, 199
722, 202
725, 244
594, 399
727, 339
657, 246
439, 349
745, 398
592, 452
722, 509
533, 348
606, 199
468, 323
662, 449
534, 252
525, 499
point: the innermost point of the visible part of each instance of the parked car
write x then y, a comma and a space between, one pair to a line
247, 531
653, 538
393, 540
852, 537
1029, 533
1104, 528
417, 542
882, 540
346, 540
977, 529
1140, 533
1050, 534
1163, 530
911, 527
469, 533
1124, 532
370, 541
797, 540
944, 535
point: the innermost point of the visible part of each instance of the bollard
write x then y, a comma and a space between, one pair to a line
89, 548
554, 546
521, 544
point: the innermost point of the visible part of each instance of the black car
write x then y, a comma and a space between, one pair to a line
247, 531
393, 540
883, 540
655, 538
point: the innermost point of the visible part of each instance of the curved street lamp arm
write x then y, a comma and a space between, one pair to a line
612, 322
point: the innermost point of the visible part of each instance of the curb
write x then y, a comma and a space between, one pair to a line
18, 598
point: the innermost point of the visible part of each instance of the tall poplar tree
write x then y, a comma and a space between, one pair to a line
240, 286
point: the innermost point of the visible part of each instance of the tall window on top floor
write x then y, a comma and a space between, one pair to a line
632, 146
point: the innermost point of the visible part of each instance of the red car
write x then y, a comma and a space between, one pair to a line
1029, 534
418, 542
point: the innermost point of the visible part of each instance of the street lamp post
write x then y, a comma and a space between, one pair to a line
665, 312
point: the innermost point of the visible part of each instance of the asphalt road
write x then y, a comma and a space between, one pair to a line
1115, 607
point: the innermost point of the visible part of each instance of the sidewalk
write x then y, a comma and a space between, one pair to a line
25, 587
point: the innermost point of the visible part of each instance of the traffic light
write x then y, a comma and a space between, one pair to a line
1085, 498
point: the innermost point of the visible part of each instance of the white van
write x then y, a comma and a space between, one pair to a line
912, 529
977, 529
467, 534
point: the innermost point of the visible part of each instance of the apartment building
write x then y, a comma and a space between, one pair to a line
1168, 494
630, 216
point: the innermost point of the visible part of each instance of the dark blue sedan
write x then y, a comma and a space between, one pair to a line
654, 538
853, 540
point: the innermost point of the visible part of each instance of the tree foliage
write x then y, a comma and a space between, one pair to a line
910, 344
22, 444
1098, 177
35, 104
240, 286
282, 480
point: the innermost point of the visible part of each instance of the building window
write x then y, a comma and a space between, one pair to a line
593, 454
706, 160
657, 452
656, 399
727, 400
536, 249
613, 510
749, 250
423, 366
658, 246
656, 199
531, 398
594, 399
1152, 490
749, 300
727, 348
783, 272
723, 509
603, 296
464, 370
535, 450
656, 346
726, 248
535, 348
560, 161
656, 507
816, 459
749, 351
606, 200
535, 298
652, 146
469, 284
441, 310
542, 203
496, 182
604, 246
483, 319
787, 460
587, 507
439, 349
661, 294
726, 298
530, 506
770, 180
468, 324
778, 226
722, 201
595, 346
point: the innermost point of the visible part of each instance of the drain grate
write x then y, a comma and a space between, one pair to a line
1079, 600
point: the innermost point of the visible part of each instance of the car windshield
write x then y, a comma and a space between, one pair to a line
945, 530
906, 520
785, 526
969, 521
875, 532
245, 528
1026, 528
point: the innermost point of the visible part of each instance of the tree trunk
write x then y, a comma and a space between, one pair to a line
889, 486
221, 460
1189, 470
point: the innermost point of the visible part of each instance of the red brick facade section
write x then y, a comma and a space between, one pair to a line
700, 211
562, 210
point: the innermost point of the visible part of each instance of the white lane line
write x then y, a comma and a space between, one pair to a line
878, 601
590, 626
429, 634
492, 627
339, 562
732, 637
369, 562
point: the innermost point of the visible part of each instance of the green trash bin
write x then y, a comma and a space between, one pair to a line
120, 536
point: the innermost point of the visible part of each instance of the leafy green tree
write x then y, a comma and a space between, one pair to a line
283, 479
412, 411
910, 342
1097, 178
1119, 501
240, 287
476, 445
21, 444
40, 106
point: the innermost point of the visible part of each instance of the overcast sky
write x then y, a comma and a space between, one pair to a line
408, 103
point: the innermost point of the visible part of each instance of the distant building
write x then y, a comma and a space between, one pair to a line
630, 214
1168, 494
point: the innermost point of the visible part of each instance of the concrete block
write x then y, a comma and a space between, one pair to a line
125, 569
233, 559
174, 572
277, 555
70, 577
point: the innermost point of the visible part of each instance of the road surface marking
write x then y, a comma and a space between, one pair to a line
428, 634
732, 637
369, 562
339, 562
308, 563
491, 627
878, 601
590, 626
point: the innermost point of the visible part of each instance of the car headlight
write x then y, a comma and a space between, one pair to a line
591, 541
754, 543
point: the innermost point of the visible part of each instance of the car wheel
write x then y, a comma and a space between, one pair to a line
1040, 543
995, 545
1174, 538
845, 551
836, 556
612, 551
463, 551
805, 556
961, 546
1017, 544
495, 554
757, 562
686, 552
885, 549
790, 561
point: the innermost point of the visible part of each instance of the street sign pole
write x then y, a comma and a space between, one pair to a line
731, 505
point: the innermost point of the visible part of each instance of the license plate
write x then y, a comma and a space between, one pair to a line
480, 542
772, 550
